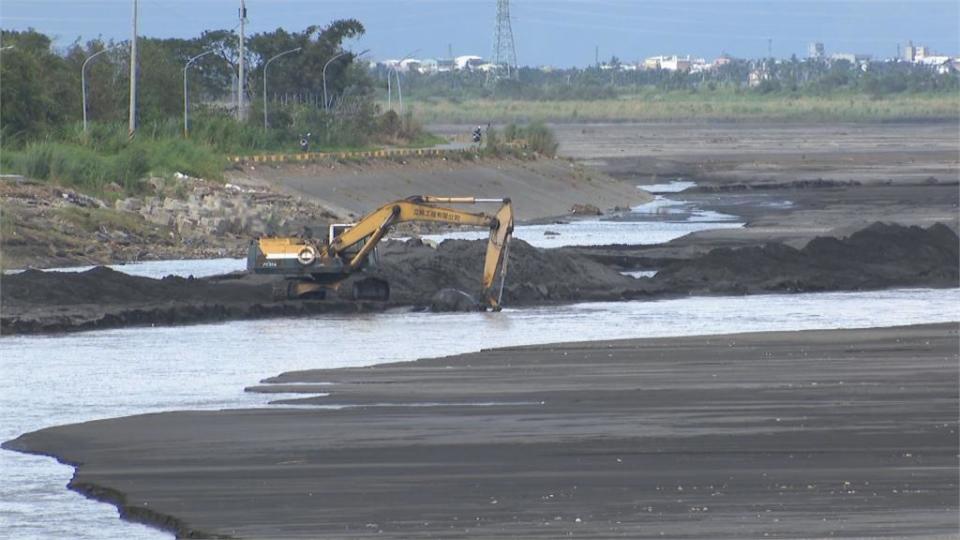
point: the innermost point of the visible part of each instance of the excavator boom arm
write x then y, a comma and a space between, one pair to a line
375, 225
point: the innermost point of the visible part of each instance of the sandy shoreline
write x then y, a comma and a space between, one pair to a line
798, 434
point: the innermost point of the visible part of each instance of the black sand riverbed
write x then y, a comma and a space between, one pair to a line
786, 434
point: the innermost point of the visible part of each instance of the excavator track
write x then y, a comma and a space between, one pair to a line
371, 289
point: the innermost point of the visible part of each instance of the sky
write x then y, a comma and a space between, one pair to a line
560, 33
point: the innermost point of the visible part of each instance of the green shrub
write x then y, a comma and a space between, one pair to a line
536, 137
168, 156
540, 139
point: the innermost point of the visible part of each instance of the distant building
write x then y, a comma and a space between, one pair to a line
941, 64
699, 65
723, 60
851, 57
924, 55
816, 51
468, 62
914, 53
909, 52
409, 64
668, 63
676, 63
757, 76
429, 66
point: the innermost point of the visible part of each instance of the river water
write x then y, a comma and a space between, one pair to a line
53, 380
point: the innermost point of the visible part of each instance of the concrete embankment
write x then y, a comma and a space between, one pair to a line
877, 257
539, 187
783, 434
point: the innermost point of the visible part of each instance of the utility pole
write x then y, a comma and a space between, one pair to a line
596, 56
241, 110
769, 47
133, 75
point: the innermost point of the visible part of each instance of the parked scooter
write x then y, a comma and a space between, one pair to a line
305, 142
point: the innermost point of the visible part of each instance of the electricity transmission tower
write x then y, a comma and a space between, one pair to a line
504, 51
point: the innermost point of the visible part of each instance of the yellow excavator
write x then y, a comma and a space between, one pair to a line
318, 269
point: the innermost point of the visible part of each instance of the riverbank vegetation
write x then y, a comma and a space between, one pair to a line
756, 90
692, 106
41, 106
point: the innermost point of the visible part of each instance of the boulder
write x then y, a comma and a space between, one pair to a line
214, 225
446, 300
585, 210
174, 205
130, 204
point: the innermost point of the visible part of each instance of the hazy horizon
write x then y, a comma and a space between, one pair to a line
559, 33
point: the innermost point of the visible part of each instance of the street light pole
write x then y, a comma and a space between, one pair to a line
133, 75
241, 112
83, 82
396, 72
326, 102
265, 65
186, 93
399, 91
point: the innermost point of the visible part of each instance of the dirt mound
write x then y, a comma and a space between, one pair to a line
104, 286
881, 255
417, 271
876, 257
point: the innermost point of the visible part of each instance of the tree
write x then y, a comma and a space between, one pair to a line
303, 73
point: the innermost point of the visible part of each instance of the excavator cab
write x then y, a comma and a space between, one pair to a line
336, 229
315, 271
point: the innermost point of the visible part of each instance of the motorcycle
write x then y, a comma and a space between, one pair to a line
305, 142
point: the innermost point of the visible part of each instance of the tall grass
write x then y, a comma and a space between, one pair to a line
105, 155
687, 106
536, 136
89, 170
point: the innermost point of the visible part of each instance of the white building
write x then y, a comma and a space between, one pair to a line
409, 64
429, 66
468, 62
851, 57
816, 51
676, 63
670, 63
